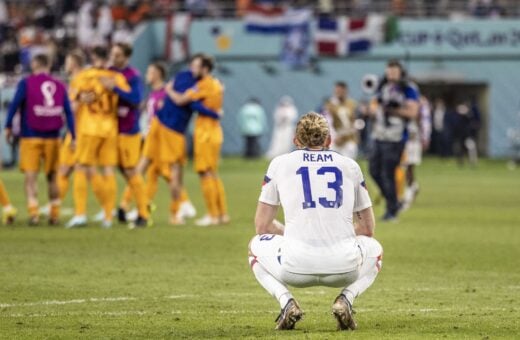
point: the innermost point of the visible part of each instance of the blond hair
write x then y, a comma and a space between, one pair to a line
312, 130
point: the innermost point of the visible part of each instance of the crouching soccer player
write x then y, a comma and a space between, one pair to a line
42, 100
327, 240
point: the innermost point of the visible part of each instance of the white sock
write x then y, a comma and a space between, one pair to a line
7, 207
274, 287
367, 275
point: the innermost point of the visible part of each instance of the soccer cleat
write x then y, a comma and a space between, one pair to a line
100, 216
132, 215
9, 215
121, 215
106, 224
206, 221
187, 210
342, 311
140, 223
76, 222
289, 316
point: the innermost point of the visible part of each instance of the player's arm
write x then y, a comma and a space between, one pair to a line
265, 222
18, 99
134, 96
363, 215
182, 98
69, 117
204, 111
365, 222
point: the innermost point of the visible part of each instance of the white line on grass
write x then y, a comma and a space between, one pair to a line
66, 302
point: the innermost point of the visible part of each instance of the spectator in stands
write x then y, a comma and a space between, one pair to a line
252, 121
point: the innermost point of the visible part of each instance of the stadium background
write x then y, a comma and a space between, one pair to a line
465, 57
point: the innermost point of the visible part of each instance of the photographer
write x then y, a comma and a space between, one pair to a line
397, 103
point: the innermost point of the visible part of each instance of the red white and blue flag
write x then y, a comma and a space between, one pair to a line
270, 17
339, 36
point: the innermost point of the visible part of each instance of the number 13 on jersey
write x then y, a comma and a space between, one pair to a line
335, 185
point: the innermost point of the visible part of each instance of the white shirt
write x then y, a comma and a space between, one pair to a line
319, 191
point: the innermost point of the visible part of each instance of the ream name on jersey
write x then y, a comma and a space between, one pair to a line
317, 157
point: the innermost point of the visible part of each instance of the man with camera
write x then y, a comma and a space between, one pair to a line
396, 102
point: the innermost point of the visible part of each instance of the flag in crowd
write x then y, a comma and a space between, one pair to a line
339, 36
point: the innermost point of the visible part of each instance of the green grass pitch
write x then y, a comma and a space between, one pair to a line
451, 269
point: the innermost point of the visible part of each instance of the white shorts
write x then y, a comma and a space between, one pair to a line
266, 250
413, 152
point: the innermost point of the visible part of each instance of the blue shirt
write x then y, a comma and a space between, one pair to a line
19, 102
176, 117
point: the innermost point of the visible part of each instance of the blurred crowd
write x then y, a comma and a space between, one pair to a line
28, 27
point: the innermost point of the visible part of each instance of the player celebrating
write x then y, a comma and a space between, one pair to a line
208, 138
165, 143
42, 100
327, 240
129, 138
155, 78
97, 143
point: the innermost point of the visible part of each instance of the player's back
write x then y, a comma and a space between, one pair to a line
99, 118
318, 190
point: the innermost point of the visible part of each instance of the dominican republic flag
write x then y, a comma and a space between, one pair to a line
268, 17
177, 47
341, 36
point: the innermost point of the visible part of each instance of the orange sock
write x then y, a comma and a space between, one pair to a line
79, 193
184, 196
221, 197
126, 198
138, 187
4, 197
63, 185
209, 191
400, 181
152, 179
110, 195
99, 188
55, 209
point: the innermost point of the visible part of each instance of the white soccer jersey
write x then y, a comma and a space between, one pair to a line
319, 191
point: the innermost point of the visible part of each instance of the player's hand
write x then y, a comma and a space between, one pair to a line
72, 145
9, 136
108, 82
87, 97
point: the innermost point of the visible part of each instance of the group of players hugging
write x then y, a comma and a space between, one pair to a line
101, 107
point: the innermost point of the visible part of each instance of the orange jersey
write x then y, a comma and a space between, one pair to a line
211, 92
100, 117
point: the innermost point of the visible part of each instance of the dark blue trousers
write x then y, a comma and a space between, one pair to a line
383, 161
